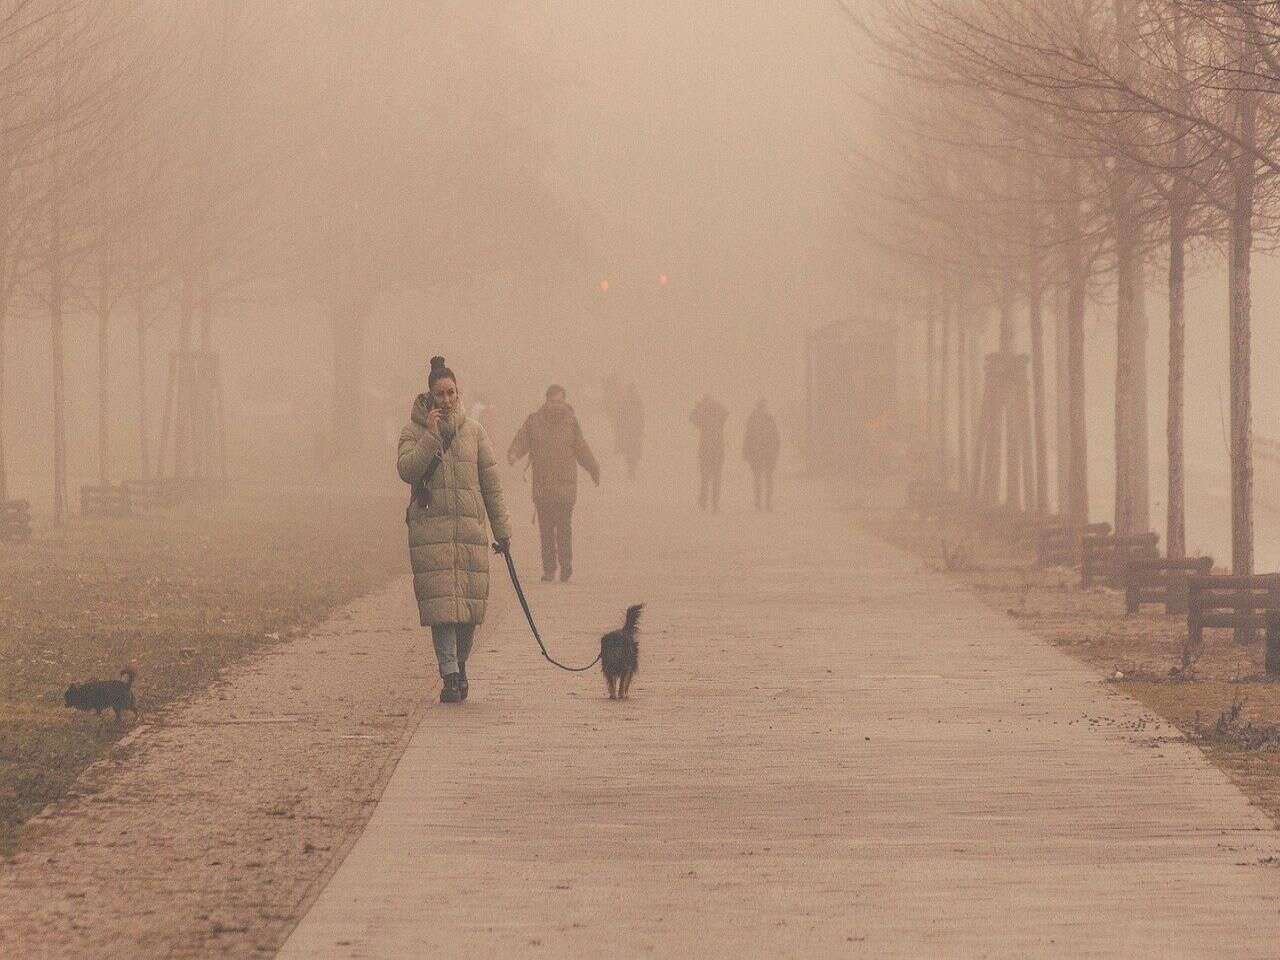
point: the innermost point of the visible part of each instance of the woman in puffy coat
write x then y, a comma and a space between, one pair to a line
447, 459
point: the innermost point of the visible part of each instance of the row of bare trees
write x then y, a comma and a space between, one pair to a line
166, 163
1042, 151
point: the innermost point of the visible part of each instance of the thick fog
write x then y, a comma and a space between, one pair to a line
470, 181
669, 193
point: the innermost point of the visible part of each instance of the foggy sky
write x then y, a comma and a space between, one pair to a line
705, 140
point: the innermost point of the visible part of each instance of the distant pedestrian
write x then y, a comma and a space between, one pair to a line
760, 446
552, 439
709, 417
631, 428
447, 459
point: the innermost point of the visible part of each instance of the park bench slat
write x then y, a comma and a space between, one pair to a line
1161, 580
1257, 581
1243, 602
1222, 619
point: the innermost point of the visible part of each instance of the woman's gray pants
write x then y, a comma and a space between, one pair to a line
453, 645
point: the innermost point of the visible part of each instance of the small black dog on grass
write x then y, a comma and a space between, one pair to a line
98, 695
620, 655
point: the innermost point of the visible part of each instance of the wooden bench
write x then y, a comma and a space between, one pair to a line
1059, 544
105, 501
1245, 603
1156, 580
15, 521
1110, 554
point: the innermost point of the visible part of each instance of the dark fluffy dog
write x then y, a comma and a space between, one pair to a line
98, 695
620, 655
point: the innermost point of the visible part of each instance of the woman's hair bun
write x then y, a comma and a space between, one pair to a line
439, 372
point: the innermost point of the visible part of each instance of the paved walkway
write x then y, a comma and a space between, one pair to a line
830, 752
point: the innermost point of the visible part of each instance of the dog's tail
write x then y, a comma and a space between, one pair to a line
128, 673
633, 617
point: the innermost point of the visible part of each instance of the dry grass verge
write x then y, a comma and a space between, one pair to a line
182, 595
1223, 702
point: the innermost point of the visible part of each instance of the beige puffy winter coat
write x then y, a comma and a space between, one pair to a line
448, 544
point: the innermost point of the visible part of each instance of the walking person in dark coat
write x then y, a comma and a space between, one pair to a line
631, 428
709, 417
760, 446
552, 440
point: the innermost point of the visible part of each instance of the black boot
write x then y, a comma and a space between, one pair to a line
450, 691
462, 682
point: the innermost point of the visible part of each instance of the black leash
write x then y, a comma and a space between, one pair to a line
515, 582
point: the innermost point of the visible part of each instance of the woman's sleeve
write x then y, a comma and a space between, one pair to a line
414, 453
491, 488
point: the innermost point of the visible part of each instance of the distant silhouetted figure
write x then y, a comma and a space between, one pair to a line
553, 441
631, 428
760, 446
709, 417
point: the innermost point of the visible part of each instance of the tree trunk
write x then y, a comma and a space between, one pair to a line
974, 422
206, 309
1077, 446
4, 472
58, 354
1006, 313
1243, 177
1012, 442
180, 389
930, 376
1035, 322
144, 452
1176, 535
962, 401
1140, 402
1132, 495
1176, 518
104, 388
1062, 405
202, 394
944, 377
1132, 501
